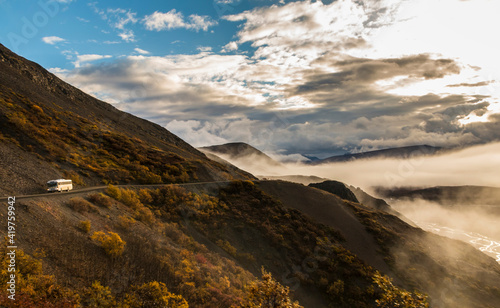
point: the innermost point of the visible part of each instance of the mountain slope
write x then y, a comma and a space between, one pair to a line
59, 131
242, 155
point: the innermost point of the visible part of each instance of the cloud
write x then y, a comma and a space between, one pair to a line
193, 133
477, 84
83, 19
231, 46
118, 19
204, 48
127, 35
311, 83
159, 21
141, 51
88, 58
52, 40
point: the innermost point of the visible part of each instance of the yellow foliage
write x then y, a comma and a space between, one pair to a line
393, 296
114, 192
268, 293
111, 242
155, 294
84, 225
125, 222
98, 296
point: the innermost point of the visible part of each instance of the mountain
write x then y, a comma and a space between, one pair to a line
357, 195
402, 152
244, 156
240, 151
204, 233
337, 188
50, 129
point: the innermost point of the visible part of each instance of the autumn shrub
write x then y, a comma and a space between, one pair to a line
112, 243
130, 198
125, 222
227, 247
75, 177
98, 296
114, 192
101, 200
145, 215
154, 294
392, 296
269, 293
84, 225
81, 205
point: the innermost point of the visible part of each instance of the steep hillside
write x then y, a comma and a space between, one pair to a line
206, 243
452, 273
49, 129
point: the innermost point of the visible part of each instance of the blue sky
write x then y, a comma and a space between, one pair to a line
290, 77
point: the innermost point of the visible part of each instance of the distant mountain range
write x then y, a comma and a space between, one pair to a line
243, 151
401, 152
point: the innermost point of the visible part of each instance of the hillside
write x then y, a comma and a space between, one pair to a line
49, 129
243, 155
206, 243
402, 152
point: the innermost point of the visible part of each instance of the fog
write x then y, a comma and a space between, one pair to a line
474, 224
477, 165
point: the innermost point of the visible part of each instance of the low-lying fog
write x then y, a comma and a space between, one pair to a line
477, 165
475, 224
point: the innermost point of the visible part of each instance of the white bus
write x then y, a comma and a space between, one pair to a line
59, 185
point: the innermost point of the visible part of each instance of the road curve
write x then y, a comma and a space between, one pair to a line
101, 188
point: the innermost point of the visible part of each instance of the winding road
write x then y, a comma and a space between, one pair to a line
101, 188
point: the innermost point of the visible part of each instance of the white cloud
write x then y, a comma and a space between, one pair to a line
52, 40
198, 22
123, 17
141, 51
127, 35
82, 19
164, 21
204, 48
88, 58
159, 21
193, 133
231, 46
118, 19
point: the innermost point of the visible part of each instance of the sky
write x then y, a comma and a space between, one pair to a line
293, 78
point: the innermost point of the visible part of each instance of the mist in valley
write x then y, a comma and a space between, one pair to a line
470, 218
